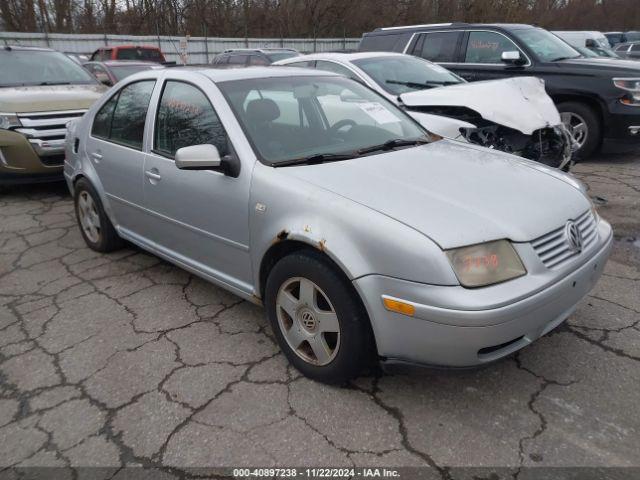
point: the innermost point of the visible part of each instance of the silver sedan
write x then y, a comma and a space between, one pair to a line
364, 237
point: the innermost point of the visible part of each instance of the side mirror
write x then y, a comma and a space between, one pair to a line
103, 78
198, 157
590, 43
512, 57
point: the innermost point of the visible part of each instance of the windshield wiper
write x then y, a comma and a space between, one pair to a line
420, 85
317, 158
54, 83
391, 144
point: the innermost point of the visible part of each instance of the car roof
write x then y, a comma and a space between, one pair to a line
449, 26
108, 47
223, 75
23, 48
118, 63
344, 57
259, 50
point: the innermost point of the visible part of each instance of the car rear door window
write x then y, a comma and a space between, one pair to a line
257, 60
487, 47
101, 127
238, 59
121, 120
438, 46
185, 117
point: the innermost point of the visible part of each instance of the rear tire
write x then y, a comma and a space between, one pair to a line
584, 124
96, 228
330, 321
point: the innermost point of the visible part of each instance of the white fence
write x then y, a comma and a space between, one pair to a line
199, 49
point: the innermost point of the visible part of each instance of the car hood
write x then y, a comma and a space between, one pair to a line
611, 66
49, 97
520, 103
453, 193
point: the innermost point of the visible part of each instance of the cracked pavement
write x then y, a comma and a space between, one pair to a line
122, 359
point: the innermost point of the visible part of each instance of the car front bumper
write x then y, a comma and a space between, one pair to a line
622, 131
23, 160
466, 337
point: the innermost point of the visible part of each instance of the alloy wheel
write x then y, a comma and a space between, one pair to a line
89, 217
308, 321
577, 127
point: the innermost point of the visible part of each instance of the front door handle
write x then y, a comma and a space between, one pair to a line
96, 157
153, 175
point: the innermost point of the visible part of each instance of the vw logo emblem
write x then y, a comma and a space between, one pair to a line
308, 320
574, 237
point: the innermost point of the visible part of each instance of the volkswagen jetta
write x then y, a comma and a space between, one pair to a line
361, 234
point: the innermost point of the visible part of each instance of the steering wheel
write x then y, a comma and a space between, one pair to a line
347, 122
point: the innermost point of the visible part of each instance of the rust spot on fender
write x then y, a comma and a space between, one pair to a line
282, 235
321, 244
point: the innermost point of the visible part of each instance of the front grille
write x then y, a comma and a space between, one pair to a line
46, 130
553, 248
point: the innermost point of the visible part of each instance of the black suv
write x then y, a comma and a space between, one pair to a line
598, 99
245, 57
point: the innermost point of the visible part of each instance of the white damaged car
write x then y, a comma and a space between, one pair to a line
514, 115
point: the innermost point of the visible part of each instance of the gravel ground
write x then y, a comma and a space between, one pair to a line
123, 359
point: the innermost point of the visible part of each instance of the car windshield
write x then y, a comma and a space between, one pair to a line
401, 74
274, 57
545, 45
303, 119
123, 71
35, 67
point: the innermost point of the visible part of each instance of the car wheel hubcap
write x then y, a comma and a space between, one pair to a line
308, 321
577, 127
89, 218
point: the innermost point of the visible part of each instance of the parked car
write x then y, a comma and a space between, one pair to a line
595, 42
527, 124
247, 57
632, 36
112, 71
629, 51
40, 91
358, 238
589, 53
615, 37
128, 52
598, 99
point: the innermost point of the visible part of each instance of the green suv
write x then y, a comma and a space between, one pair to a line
40, 91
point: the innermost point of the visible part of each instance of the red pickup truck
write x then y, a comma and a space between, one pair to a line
129, 52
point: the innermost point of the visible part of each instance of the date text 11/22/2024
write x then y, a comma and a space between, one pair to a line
315, 472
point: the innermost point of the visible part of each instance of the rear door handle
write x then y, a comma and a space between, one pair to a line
153, 175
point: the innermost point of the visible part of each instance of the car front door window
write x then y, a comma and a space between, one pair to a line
186, 117
487, 47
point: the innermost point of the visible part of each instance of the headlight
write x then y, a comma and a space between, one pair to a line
632, 86
9, 120
486, 263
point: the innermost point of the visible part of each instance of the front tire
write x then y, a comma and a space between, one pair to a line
584, 125
96, 228
318, 319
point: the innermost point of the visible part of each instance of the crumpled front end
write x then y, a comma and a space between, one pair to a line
512, 115
551, 146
